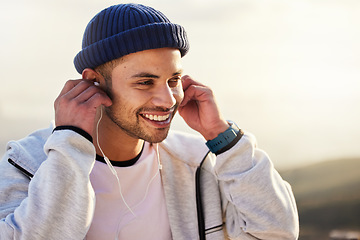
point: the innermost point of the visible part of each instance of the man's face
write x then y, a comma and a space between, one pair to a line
146, 91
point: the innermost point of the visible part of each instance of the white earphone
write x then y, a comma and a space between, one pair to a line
113, 171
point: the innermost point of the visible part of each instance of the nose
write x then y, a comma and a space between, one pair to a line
164, 97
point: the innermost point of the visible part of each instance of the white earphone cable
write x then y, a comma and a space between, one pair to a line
157, 172
113, 171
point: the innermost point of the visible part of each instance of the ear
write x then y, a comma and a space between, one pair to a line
91, 75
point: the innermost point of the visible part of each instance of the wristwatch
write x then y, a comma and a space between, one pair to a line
225, 138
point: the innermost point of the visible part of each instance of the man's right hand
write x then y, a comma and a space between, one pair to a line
77, 103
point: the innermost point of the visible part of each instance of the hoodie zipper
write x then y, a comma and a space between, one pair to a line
199, 205
24, 171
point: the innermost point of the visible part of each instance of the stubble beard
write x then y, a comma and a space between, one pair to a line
135, 130
131, 129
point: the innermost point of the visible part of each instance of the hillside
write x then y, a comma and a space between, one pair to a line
328, 197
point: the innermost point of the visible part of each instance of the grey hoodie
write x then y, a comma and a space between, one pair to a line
242, 195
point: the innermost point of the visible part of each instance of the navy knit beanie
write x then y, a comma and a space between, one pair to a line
127, 28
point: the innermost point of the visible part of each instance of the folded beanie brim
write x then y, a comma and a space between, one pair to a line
145, 37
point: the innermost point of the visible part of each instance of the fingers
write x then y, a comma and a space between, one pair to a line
69, 85
90, 94
77, 103
94, 98
188, 81
82, 91
196, 93
194, 90
79, 90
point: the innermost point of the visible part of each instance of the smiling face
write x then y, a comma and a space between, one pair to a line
146, 90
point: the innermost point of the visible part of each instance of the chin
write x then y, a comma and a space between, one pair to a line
159, 136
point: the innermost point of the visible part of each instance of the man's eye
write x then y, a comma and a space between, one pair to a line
145, 83
174, 82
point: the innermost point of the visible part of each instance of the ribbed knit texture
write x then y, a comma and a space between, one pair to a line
127, 28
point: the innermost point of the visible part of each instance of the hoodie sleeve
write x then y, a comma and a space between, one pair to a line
58, 202
257, 202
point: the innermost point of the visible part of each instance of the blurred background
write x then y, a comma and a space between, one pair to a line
286, 70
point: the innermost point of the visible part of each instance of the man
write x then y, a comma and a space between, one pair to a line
110, 169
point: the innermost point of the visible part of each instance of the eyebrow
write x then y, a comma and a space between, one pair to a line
150, 75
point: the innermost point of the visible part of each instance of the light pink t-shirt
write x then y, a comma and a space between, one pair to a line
111, 214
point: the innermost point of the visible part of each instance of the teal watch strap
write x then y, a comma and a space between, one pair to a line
224, 138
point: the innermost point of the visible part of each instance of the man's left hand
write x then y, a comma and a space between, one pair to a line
199, 109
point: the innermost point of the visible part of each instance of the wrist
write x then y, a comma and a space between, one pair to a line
75, 129
225, 140
214, 133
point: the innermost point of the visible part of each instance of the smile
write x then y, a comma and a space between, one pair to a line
157, 118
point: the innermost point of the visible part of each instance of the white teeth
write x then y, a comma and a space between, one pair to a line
158, 118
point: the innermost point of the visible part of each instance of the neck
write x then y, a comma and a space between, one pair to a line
114, 142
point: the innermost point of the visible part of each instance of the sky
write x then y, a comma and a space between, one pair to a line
287, 71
